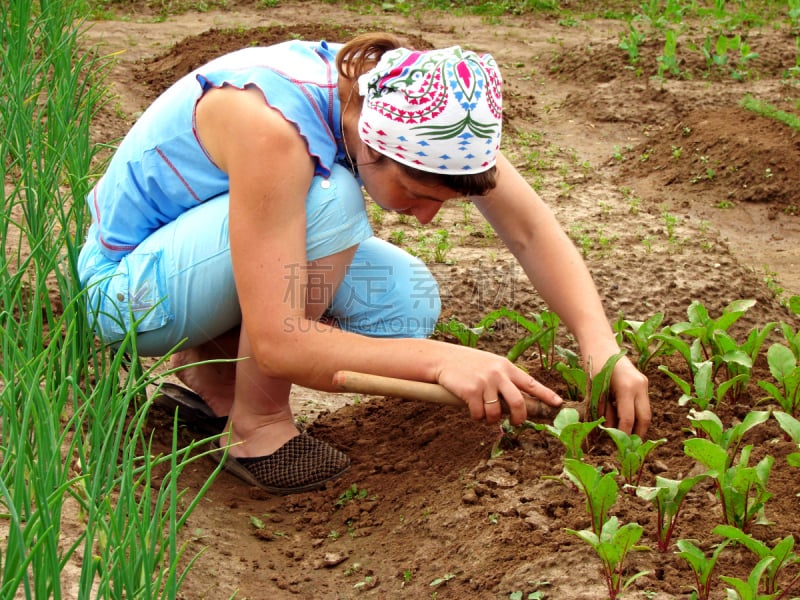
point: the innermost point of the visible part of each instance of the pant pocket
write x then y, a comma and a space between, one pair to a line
132, 297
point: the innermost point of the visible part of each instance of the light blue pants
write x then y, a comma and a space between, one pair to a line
177, 286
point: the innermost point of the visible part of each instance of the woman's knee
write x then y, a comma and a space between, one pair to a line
387, 293
416, 300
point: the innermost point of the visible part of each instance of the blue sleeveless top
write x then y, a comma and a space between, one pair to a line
161, 170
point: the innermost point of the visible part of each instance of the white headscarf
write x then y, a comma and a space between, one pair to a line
438, 110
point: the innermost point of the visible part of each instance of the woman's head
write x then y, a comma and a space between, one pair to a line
437, 113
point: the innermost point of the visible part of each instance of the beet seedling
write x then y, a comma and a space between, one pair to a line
792, 428
631, 42
794, 304
781, 554
668, 496
599, 386
466, 336
704, 333
641, 336
739, 360
600, 490
790, 424
792, 338
542, 328
631, 453
702, 566
573, 374
794, 13
784, 368
702, 391
728, 439
711, 350
738, 70
568, 428
543, 336
668, 60
612, 546
748, 590
350, 494
742, 489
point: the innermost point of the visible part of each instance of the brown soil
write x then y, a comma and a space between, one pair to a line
673, 192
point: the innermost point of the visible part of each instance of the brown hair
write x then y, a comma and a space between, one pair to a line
361, 54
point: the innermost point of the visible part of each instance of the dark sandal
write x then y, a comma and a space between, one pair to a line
302, 464
192, 409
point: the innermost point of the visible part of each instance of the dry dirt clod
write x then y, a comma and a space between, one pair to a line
331, 559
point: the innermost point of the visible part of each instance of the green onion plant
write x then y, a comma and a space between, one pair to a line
73, 440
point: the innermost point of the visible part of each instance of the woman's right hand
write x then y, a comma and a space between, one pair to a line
480, 378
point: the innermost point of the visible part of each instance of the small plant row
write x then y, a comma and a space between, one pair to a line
718, 365
722, 48
740, 487
711, 354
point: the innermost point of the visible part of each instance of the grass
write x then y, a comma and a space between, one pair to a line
765, 109
73, 429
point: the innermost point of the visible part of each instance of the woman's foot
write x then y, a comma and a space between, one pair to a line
213, 382
259, 435
276, 457
302, 464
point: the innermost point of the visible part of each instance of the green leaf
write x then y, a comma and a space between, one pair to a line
732, 313
703, 382
653, 494
701, 564
522, 345
628, 535
601, 382
739, 357
565, 417
723, 388
698, 314
783, 550
684, 487
684, 386
773, 390
443, 579
709, 422
587, 535
751, 419
735, 534
691, 554
794, 304
569, 429
758, 571
789, 424
781, 362
256, 522
707, 452
622, 440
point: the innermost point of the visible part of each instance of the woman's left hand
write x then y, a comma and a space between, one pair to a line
628, 405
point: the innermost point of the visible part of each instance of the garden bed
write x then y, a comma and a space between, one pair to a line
673, 192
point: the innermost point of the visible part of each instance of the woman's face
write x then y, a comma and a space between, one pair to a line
392, 189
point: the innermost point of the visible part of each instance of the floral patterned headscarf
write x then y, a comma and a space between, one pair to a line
438, 110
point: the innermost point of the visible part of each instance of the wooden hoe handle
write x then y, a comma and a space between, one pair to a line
377, 385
